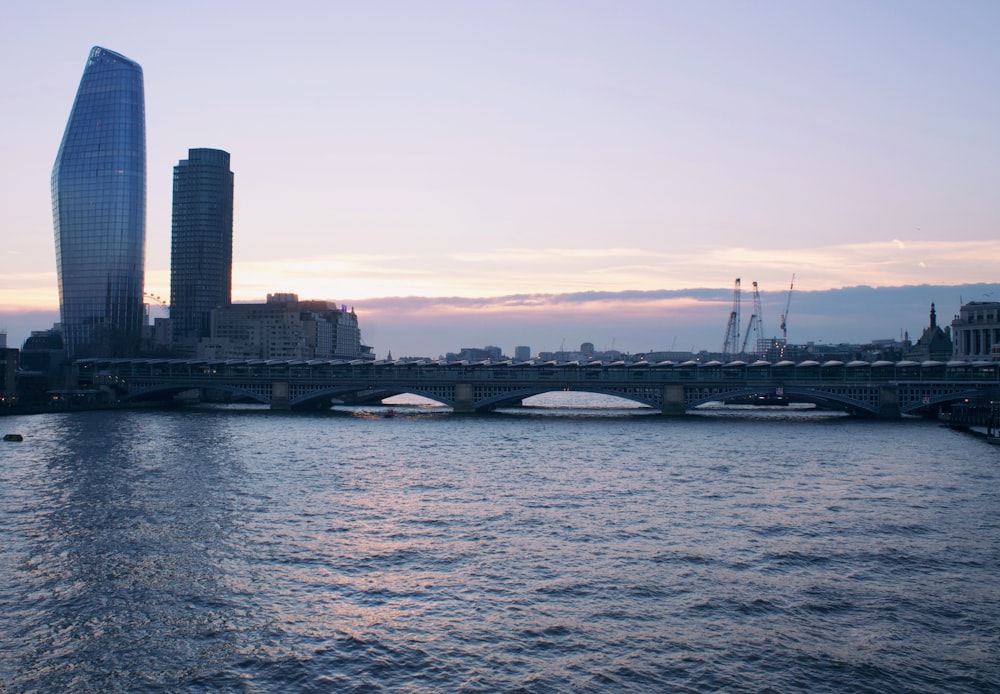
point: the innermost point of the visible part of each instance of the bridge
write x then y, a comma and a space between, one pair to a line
881, 389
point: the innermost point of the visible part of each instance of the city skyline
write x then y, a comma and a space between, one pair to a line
493, 151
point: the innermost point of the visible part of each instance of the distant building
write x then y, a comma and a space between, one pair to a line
522, 353
99, 209
42, 365
586, 353
934, 344
157, 338
43, 352
8, 374
883, 349
284, 328
490, 352
201, 245
975, 331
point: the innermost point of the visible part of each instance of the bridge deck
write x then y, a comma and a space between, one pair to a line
857, 386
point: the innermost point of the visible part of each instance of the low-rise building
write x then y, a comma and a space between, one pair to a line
284, 328
42, 366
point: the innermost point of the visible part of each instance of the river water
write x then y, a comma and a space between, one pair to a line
547, 549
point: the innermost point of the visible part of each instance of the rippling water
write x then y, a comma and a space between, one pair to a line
538, 550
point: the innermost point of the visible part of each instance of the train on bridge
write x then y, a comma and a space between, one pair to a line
880, 388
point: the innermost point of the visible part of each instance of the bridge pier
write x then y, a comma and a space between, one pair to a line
673, 400
888, 402
279, 396
464, 403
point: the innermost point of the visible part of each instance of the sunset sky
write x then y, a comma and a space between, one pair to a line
483, 150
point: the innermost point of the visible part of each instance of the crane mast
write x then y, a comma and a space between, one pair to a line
732, 339
755, 324
784, 316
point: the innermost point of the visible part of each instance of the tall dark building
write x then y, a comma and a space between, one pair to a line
99, 209
201, 248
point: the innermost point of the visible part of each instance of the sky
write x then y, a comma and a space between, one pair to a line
535, 173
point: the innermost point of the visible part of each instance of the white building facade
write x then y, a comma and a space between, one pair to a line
975, 331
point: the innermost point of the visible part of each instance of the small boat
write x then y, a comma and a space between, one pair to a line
13, 437
391, 412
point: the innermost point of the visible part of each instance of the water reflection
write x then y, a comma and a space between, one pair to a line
268, 552
125, 561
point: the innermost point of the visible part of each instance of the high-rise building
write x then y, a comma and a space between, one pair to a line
99, 209
201, 247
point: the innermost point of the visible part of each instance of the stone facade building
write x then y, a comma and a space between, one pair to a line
976, 331
934, 344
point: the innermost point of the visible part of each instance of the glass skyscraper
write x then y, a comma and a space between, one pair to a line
201, 244
99, 209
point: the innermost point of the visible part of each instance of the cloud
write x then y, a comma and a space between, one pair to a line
643, 320
634, 320
550, 271
506, 271
624, 288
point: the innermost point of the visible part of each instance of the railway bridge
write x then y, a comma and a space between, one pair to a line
881, 389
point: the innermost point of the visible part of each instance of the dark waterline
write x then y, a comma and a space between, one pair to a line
532, 551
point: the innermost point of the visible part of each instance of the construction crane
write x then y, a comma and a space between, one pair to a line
784, 316
732, 340
755, 324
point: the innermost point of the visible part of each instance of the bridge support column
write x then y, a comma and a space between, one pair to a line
279, 396
888, 402
464, 403
673, 400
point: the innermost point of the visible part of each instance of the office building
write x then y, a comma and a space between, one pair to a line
201, 245
975, 331
99, 209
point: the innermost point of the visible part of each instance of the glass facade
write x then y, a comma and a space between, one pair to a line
99, 210
201, 244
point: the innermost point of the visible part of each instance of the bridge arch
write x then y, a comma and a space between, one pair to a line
515, 397
933, 401
832, 400
315, 398
826, 399
165, 391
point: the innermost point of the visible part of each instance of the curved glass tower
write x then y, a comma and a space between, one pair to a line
99, 209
